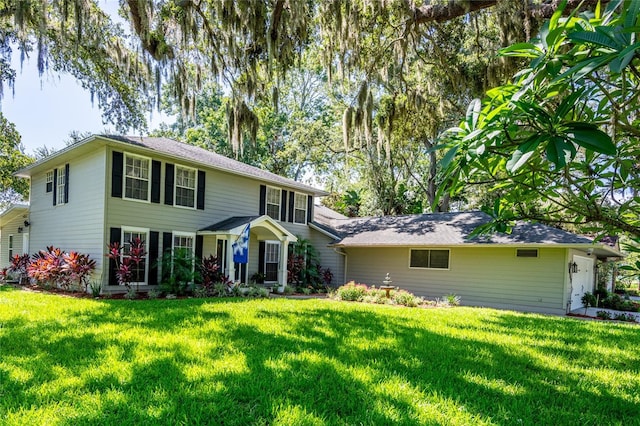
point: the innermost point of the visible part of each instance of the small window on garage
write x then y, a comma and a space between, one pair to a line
429, 259
527, 253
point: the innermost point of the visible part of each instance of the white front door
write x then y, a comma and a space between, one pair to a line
581, 281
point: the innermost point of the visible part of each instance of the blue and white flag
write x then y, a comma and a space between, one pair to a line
241, 247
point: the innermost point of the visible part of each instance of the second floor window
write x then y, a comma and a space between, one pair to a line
50, 181
300, 212
273, 203
185, 186
136, 182
62, 182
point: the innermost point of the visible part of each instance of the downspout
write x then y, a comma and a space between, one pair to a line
341, 252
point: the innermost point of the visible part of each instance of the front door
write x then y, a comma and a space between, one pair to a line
581, 281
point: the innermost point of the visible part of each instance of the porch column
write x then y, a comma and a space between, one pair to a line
282, 268
230, 266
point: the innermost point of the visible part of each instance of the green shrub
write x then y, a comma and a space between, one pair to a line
131, 294
403, 297
96, 288
624, 317
588, 299
351, 292
153, 293
603, 315
452, 299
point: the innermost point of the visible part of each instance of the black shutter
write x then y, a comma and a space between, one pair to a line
263, 199
261, 249
202, 177
114, 237
154, 237
156, 168
168, 183
292, 201
283, 206
66, 183
55, 185
309, 208
166, 248
116, 174
199, 244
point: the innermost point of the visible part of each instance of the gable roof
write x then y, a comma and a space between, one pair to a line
181, 152
451, 229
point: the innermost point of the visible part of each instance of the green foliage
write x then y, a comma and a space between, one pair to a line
351, 292
559, 144
96, 288
588, 299
178, 267
12, 159
303, 265
605, 315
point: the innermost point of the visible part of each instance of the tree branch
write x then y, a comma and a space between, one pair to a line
454, 9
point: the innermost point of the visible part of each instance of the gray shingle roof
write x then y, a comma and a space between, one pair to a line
443, 229
228, 224
210, 159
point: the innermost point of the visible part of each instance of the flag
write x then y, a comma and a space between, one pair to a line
241, 247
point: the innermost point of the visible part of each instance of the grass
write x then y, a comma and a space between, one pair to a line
66, 361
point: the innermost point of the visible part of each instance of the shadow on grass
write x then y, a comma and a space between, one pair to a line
308, 362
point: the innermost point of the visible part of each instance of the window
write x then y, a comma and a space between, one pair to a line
273, 203
62, 182
300, 211
429, 259
526, 252
128, 235
136, 181
184, 242
271, 261
10, 247
185, 187
50, 181
183, 252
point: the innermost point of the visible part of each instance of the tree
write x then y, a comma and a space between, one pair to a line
242, 46
78, 38
561, 143
12, 159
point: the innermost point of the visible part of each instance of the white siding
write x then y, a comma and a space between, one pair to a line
77, 225
11, 228
484, 276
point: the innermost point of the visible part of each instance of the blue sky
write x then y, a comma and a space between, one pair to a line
46, 109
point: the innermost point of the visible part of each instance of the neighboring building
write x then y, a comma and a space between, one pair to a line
535, 268
14, 232
107, 189
172, 195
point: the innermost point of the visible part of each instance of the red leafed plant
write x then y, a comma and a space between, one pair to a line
127, 265
78, 268
56, 267
19, 266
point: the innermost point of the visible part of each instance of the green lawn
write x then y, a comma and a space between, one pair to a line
72, 361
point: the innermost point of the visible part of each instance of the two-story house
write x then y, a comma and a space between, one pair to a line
171, 195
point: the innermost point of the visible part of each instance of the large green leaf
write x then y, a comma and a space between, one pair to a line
559, 151
524, 152
624, 58
524, 50
597, 38
449, 156
590, 137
